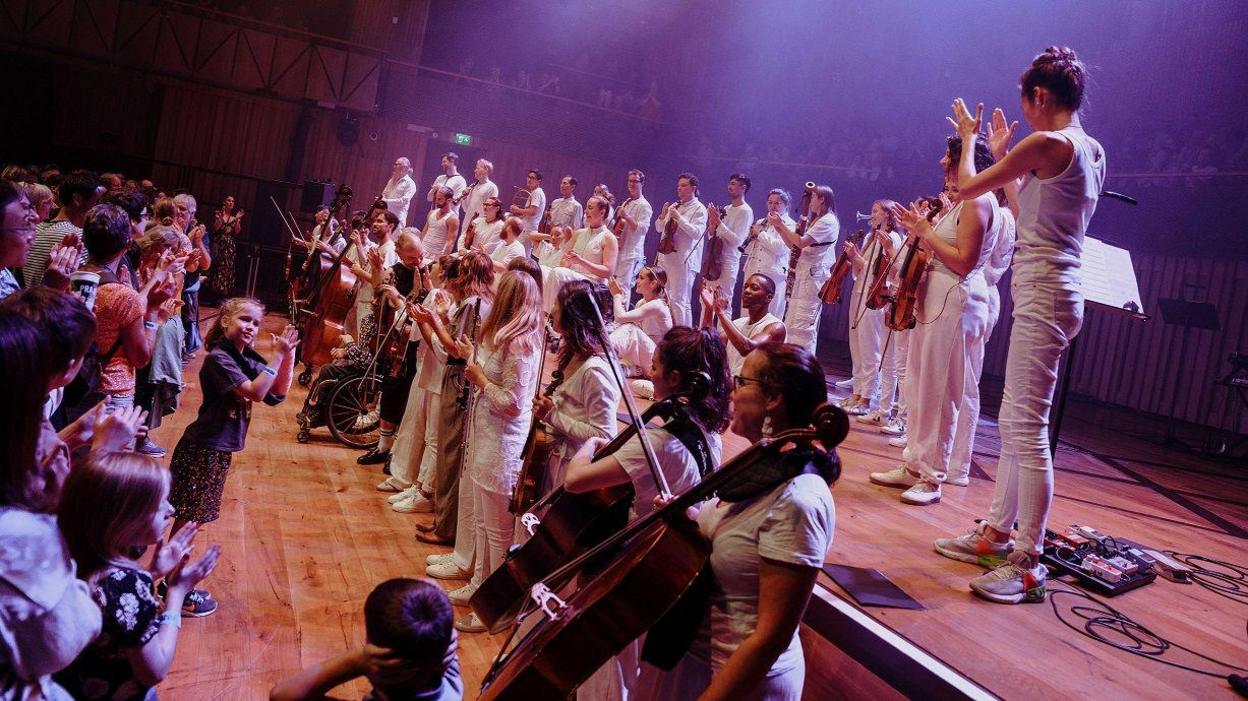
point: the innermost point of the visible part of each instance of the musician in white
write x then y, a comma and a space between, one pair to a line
399, 190
441, 224
635, 214
732, 229
531, 212
592, 255
478, 192
368, 260
450, 177
682, 264
801, 317
765, 250
565, 210
485, 232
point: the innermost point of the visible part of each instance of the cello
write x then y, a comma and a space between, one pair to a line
333, 298
901, 315
830, 292
538, 448
654, 561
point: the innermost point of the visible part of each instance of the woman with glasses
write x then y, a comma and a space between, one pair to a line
485, 232
766, 549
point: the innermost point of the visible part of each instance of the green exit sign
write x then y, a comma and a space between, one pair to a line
463, 139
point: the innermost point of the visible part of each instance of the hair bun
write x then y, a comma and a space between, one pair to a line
1058, 54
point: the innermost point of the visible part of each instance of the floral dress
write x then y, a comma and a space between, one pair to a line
224, 250
130, 611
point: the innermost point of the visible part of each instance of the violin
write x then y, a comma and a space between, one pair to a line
830, 292
653, 562
880, 293
713, 256
795, 253
618, 227
538, 449
667, 240
901, 315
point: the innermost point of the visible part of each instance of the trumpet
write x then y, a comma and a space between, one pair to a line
859, 216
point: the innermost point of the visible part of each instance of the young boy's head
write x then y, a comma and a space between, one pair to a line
413, 619
63, 320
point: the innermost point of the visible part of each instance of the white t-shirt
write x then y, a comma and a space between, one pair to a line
566, 211
398, 195
633, 242
388, 259
474, 204
675, 461
434, 235
793, 523
505, 252
733, 228
537, 200
735, 360
456, 182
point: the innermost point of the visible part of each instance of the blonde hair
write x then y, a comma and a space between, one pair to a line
229, 309
37, 193
516, 315
106, 506
163, 211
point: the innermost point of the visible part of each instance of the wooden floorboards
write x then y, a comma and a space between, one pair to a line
306, 536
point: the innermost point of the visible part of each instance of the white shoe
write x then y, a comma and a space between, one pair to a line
447, 570
959, 481
895, 427
389, 485
898, 441
896, 477
403, 506
470, 624
975, 547
856, 408
642, 388
874, 418
921, 494
845, 384
417, 504
460, 596
400, 496
365, 420
439, 558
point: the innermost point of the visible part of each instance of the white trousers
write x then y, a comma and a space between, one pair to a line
1046, 317
553, 280
409, 439
679, 287
727, 282
627, 265
633, 347
494, 529
425, 478
893, 373
946, 348
466, 520
801, 319
968, 417
866, 334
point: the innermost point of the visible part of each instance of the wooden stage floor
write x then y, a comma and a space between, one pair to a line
305, 536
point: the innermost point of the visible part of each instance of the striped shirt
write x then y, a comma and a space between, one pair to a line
47, 235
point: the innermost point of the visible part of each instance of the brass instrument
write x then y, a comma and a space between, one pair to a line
521, 197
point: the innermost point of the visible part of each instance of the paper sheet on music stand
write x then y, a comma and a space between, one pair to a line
1108, 277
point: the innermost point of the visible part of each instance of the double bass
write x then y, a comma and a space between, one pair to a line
901, 315
830, 292
331, 300
652, 564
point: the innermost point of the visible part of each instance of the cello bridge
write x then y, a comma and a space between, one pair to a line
546, 600
530, 521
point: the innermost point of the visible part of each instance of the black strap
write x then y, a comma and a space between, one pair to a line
694, 440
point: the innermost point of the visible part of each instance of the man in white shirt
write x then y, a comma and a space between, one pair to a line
633, 220
481, 190
399, 190
681, 265
531, 214
566, 211
732, 230
450, 177
369, 261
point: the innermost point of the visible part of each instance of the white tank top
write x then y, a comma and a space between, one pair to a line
947, 230
735, 360
588, 245
1053, 214
435, 234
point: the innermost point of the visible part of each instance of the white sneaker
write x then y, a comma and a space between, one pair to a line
898, 441
856, 408
874, 418
845, 384
403, 506
974, 547
959, 481
460, 596
642, 388
389, 485
447, 570
365, 420
439, 558
400, 496
896, 477
896, 427
417, 504
922, 493
1012, 582
470, 624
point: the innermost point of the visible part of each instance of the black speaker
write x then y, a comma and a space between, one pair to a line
314, 195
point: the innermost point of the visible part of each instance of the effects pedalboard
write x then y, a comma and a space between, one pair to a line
1100, 563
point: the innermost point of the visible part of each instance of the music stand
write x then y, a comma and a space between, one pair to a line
1188, 315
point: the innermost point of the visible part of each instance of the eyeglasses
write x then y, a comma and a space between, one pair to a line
741, 381
633, 180
492, 204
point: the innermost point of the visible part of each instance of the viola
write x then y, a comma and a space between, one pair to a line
830, 292
901, 315
652, 564
618, 227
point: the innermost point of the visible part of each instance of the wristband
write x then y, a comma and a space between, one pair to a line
149, 325
172, 618
268, 371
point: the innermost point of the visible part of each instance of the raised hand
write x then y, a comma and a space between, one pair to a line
287, 341
966, 125
1000, 133
117, 430
186, 574
62, 262
614, 286
171, 552
169, 308
707, 296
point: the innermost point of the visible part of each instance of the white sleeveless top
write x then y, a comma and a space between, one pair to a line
1053, 214
434, 238
947, 230
588, 245
735, 360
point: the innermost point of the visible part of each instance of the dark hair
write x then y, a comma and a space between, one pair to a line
983, 160
768, 283
537, 174
411, 617
105, 232
24, 377
132, 202
451, 156
9, 193
391, 218
741, 178
63, 320
793, 373
783, 195
641, 177
78, 182
322, 207
1059, 71
528, 265
825, 191
19, 174
693, 179
687, 351
578, 324
571, 180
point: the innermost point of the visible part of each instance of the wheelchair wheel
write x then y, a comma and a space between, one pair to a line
352, 413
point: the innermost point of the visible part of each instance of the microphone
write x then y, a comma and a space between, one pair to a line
1119, 196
